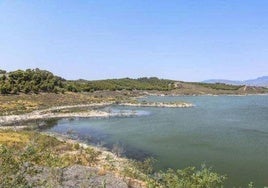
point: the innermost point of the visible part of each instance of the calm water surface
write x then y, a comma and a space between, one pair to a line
229, 133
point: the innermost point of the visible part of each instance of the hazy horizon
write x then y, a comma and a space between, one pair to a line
179, 40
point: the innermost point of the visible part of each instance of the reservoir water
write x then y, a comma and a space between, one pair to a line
229, 133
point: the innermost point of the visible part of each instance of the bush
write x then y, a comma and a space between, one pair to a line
11, 172
190, 177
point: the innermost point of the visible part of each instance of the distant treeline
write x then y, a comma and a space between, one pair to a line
36, 81
218, 86
152, 83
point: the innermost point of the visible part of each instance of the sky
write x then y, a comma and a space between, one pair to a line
190, 40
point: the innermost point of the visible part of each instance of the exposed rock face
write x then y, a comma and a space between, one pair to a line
75, 176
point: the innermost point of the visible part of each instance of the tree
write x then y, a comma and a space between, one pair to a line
5, 89
3, 78
30, 81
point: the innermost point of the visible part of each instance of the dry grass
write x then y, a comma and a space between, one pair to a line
67, 152
35, 149
11, 138
18, 104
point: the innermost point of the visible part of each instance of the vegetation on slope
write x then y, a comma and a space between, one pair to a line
152, 83
19, 104
36, 81
41, 81
219, 86
30, 81
24, 154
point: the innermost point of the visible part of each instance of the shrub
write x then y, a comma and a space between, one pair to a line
190, 177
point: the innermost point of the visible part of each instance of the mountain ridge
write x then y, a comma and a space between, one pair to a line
260, 81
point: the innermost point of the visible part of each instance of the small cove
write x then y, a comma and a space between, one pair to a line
229, 133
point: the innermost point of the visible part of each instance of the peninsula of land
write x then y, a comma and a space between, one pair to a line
84, 111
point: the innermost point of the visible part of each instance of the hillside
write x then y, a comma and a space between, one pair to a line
130, 84
42, 81
36, 81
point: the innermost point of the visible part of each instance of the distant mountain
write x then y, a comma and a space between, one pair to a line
261, 81
231, 82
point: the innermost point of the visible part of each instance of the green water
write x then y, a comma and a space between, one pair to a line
229, 133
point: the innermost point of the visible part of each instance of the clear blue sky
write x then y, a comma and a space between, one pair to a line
189, 40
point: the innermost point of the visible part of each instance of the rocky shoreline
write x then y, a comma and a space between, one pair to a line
159, 104
50, 113
113, 179
89, 166
54, 112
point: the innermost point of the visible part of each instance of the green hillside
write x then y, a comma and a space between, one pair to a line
152, 83
36, 81
42, 81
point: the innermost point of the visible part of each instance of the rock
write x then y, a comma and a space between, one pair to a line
75, 176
